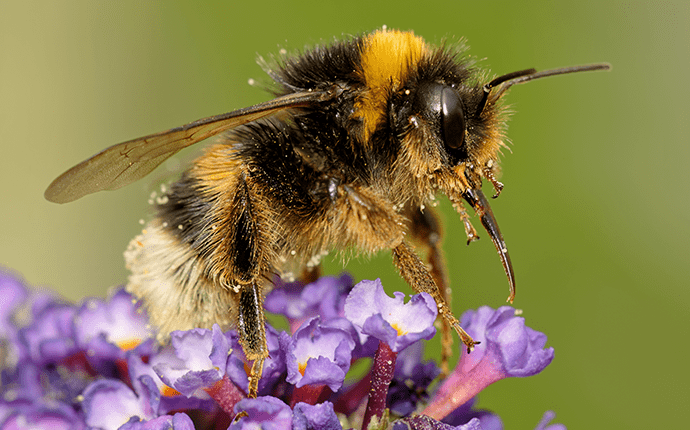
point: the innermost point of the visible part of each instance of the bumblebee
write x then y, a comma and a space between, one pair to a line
360, 137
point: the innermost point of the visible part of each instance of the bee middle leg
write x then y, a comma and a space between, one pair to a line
427, 230
310, 274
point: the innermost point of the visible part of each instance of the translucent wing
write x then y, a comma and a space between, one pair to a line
127, 162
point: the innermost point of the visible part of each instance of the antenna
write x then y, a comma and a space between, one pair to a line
522, 76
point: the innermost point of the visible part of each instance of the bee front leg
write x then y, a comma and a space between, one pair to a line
364, 219
427, 229
370, 222
413, 270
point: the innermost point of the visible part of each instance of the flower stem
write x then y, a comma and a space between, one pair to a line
459, 388
226, 394
381, 376
349, 401
310, 394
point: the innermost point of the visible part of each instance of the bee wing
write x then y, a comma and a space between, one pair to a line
127, 162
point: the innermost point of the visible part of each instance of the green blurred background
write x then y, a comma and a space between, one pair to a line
595, 209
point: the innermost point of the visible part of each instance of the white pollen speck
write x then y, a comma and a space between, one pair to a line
389, 362
314, 261
162, 200
293, 252
165, 224
141, 221
518, 312
251, 81
153, 194
283, 51
180, 227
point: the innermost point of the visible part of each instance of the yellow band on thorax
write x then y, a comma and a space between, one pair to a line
387, 58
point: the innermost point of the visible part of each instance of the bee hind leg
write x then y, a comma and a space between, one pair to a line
252, 332
242, 259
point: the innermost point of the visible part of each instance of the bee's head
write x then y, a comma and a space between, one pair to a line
465, 131
452, 125
452, 133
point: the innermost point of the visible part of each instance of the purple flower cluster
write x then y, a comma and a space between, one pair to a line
97, 366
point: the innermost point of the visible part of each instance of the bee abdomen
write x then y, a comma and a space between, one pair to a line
168, 276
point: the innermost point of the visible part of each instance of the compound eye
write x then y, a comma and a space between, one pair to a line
453, 119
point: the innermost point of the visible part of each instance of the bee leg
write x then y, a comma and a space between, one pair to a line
310, 274
252, 332
427, 229
470, 231
245, 261
413, 270
367, 219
